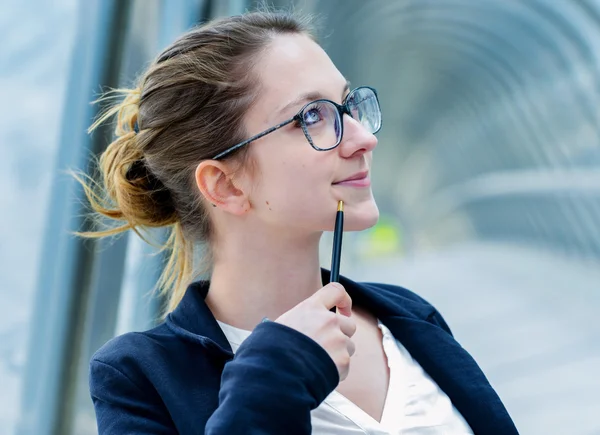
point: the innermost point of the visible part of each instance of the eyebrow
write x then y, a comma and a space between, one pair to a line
311, 96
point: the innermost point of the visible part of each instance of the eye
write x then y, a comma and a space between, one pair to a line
313, 115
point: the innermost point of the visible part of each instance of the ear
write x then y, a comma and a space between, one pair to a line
215, 181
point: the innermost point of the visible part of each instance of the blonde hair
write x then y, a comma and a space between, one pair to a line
187, 107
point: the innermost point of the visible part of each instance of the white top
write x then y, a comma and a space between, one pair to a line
414, 404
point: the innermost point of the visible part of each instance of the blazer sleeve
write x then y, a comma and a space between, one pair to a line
122, 407
278, 375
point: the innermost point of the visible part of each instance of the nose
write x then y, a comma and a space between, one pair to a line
357, 140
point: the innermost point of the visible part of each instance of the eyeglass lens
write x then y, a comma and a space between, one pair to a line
324, 124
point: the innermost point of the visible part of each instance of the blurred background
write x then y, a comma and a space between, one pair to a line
487, 176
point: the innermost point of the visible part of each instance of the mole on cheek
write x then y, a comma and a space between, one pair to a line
267, 202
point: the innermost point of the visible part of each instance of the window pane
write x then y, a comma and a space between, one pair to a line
34, 65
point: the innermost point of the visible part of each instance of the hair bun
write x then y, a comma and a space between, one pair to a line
161, 208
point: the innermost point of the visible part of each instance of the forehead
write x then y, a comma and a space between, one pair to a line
294, 65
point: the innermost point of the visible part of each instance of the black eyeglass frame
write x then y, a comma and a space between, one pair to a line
299, 117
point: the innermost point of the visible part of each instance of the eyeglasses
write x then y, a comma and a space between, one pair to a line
322, 120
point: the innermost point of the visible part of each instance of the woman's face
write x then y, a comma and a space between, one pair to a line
293, 184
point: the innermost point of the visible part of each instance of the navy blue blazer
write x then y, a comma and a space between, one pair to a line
182, 377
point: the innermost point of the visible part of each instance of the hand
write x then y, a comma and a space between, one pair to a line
332, 331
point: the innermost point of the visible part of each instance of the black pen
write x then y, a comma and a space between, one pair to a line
336, 255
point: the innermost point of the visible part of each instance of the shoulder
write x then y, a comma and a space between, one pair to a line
116, 369
130, 348
136, 358
135, 382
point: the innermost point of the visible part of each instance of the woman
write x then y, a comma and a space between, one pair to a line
243, 136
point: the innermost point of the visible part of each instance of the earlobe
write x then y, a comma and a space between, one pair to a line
215, 182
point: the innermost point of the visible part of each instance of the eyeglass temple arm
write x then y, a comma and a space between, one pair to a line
253, 138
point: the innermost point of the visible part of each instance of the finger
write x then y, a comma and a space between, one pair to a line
347, 325
334, 295
351, 347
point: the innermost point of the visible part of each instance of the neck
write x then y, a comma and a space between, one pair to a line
257, 275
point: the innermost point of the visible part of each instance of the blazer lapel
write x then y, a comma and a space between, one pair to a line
456, 373
413, 322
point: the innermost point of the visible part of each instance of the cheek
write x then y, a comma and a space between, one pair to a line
293, 188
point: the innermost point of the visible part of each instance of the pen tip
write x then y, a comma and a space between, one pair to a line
341, 206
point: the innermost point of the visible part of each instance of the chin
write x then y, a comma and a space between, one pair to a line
362, 218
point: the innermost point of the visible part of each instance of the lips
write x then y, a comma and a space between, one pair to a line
358, 176
358, 180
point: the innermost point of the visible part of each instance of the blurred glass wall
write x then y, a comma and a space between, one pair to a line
34, 65
487, 175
